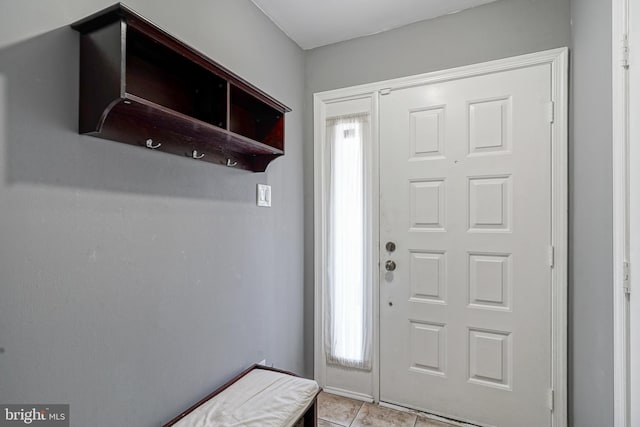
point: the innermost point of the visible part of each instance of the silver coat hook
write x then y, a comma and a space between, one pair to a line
231, 163
150, 144
196, 156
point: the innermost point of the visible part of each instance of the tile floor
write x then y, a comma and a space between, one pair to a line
336, 411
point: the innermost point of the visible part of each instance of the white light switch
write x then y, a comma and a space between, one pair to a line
263, 195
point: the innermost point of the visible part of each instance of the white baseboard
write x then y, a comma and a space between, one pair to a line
348, 394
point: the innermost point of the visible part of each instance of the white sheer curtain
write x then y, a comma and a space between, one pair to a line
348, 290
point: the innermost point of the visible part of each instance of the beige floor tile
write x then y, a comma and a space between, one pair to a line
377, 416
323, 423
336, 409
426, 422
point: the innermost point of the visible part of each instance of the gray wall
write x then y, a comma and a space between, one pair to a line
502, 29
133, 282
591, 239
497, 30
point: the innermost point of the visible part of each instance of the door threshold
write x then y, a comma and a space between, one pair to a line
348, 394
431, 416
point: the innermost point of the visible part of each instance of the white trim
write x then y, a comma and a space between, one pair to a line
633, 214
557, 59
559, 238
319, 221
348, 394
620, 134
375, 178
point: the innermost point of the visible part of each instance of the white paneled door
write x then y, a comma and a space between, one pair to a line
465, 295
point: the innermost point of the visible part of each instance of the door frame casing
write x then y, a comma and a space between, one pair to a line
621, 219
626, 209
634, 213
557, 60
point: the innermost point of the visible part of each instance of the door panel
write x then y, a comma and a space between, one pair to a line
465, 190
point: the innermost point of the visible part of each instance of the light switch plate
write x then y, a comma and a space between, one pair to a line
263, 195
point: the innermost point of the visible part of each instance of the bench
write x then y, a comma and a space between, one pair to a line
258, 397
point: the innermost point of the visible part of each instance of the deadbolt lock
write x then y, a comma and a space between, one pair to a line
390, 246
390, 265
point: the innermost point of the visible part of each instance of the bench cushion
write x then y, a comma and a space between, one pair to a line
261, 398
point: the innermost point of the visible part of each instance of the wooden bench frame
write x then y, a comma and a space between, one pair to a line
310, 415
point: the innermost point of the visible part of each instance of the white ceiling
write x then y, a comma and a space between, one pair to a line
313, 23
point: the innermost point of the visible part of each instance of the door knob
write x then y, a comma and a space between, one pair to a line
390, 265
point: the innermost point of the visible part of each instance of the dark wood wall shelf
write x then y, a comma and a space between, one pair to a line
141, 86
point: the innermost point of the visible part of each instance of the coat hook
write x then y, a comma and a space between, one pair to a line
231, 163
150, 144
196, 156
